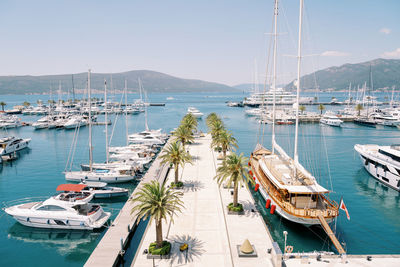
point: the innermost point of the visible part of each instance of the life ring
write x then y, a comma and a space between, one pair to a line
289, 249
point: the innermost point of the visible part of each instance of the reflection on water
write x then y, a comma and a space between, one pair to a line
63, 241
379, 194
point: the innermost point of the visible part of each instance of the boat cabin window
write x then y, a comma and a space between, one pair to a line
396, 158
51, 208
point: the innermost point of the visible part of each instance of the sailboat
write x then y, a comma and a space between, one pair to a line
290, 190
119, 174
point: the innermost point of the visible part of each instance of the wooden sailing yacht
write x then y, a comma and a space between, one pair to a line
284, 183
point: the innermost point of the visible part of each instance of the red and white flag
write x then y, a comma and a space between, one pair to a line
342, 206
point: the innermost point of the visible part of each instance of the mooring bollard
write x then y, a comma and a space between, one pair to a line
129, 228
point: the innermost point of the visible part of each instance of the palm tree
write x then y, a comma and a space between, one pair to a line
225, 140
359, 107
234, 170
190, 122
26, 104
176, 155
184, 135
211, 118
156, 201
39, 102
321, 108
2, 104
217, 127
302, 109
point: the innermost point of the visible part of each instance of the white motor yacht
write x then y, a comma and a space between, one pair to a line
101, 190
58, 214
382, 162
12, 144
331, 119
74, 121
195, 112
145, 140
117, 175
7, 122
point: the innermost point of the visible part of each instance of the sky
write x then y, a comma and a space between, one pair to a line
225, 41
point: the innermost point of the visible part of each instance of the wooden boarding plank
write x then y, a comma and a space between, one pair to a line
331, 235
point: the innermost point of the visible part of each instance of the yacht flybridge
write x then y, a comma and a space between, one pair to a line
283, 182
382, 162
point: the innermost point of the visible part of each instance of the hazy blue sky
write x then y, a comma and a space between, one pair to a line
214, 40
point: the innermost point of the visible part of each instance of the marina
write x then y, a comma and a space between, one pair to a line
371, 195
191, 133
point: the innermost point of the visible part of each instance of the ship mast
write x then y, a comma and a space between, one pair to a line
90, 125
105, 118
296, 156
126, 113
274, 75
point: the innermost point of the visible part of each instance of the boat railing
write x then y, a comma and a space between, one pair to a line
14, 202
329, 212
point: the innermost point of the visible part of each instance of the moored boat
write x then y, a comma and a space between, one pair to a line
382, 162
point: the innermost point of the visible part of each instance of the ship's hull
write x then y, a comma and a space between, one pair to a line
376, 168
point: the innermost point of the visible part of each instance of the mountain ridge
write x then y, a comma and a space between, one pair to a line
385, 75
152, 81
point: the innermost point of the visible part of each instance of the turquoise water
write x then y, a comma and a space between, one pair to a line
374, 209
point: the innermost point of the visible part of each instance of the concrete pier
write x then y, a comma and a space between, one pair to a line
204, 224
109, 248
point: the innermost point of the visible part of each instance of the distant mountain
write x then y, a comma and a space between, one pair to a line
385, 74
152, 82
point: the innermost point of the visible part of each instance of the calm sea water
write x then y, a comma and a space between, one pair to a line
326, 151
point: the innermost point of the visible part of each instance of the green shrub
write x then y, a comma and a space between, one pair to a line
164, 250
177, 185
238, 208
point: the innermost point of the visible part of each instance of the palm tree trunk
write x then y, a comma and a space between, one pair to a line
159, 239
224, 153
176, 173
235, 194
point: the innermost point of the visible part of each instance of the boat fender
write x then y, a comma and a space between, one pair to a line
99, 179
289, 249
256, 187
82, 224
85, 177
251, 173
67, 221
273, 207
27, 219
116, 179
268, 204
249, 163
48, 221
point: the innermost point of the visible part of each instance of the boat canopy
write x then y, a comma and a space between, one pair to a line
306, 189
71, 187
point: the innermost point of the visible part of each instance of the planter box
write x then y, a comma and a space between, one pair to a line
158, 257
234, 212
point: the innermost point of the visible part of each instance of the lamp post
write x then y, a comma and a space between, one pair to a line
285, 233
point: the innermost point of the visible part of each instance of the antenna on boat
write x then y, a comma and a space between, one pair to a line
126, 112
105, 117
274, 74
90, 125
296, 156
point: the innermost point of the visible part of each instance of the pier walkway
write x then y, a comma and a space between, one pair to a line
212, 234
109, 247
